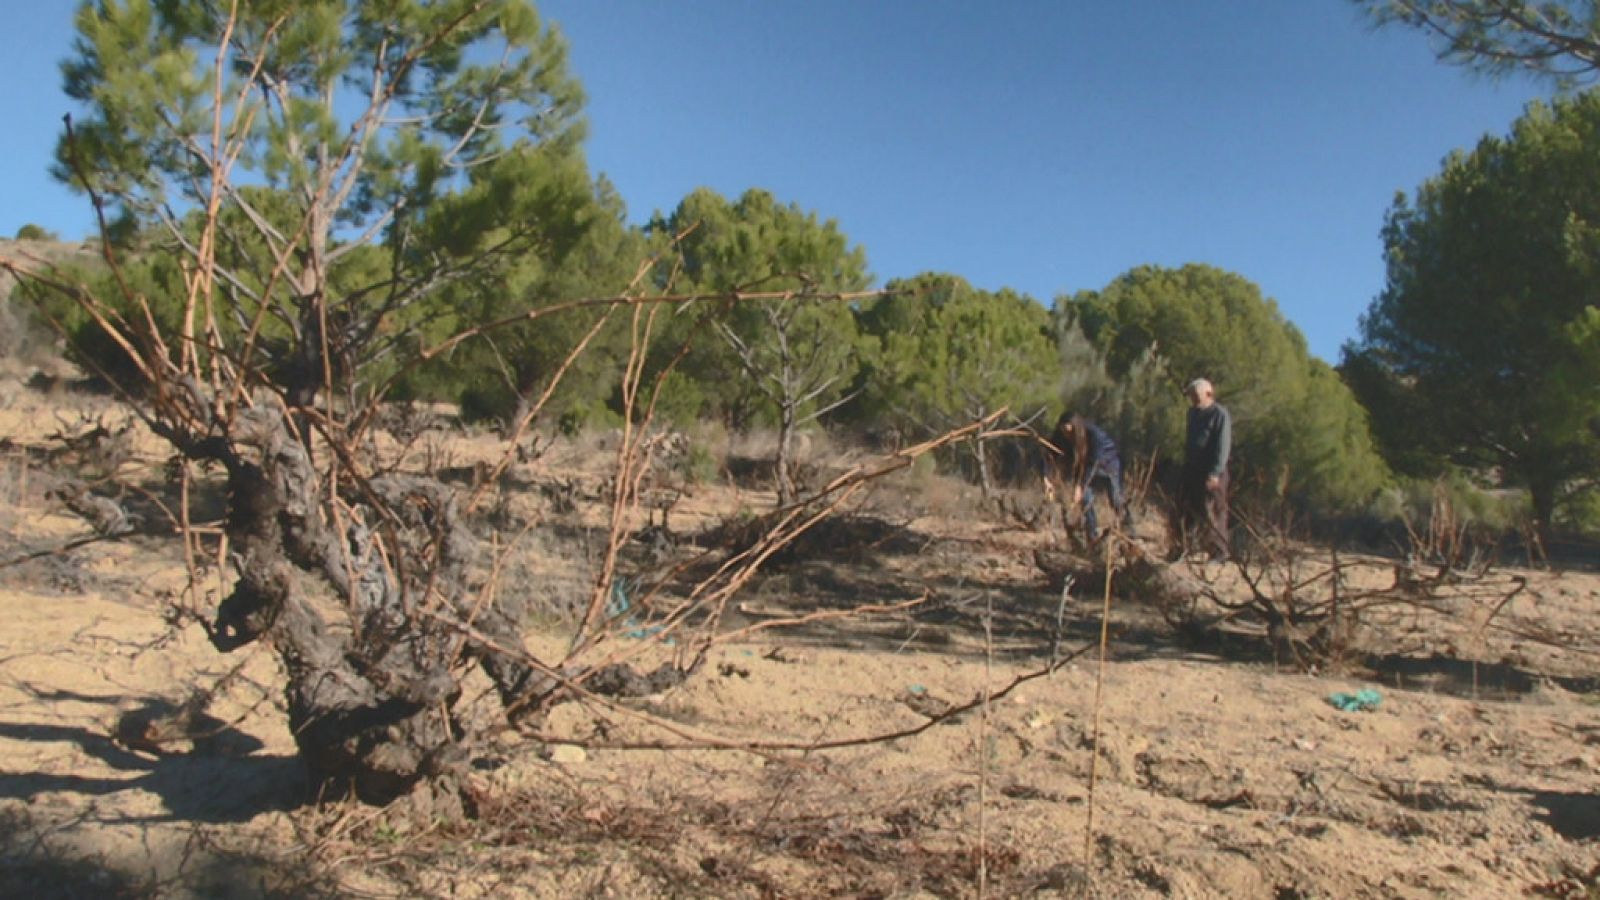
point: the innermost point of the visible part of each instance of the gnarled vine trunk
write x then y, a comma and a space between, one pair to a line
371, 698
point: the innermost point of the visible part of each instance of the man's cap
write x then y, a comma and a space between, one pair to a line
1198, 385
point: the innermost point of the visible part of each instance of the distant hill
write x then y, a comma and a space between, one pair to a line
26, 251
27, 254
32, 253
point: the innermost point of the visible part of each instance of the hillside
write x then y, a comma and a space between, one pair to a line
1183, 769
15, 332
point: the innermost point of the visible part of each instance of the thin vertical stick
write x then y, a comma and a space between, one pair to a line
983, 749
1099, 683
190, 540
222, 566
1061, 615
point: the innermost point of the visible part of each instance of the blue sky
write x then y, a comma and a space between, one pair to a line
1042, 146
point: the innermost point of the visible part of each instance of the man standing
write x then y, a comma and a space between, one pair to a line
1203, 494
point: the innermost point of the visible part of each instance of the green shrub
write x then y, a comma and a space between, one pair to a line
1582, 514
32, 232
587, 417
1418, 499
699, 465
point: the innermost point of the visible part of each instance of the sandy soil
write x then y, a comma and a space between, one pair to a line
1176, 769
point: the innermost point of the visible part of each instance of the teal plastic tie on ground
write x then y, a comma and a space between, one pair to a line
618, 606
640, 634
619, 602
1365, 700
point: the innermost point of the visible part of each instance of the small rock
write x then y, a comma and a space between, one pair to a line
567, 754
1582, 761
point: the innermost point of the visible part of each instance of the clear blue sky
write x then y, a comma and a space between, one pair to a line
1040, 145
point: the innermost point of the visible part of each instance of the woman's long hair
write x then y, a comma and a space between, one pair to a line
1077, 446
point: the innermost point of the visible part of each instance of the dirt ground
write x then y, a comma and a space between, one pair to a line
1178, 768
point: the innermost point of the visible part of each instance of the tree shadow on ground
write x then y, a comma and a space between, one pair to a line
47, 877
852, 561
194, 787
857, 539
1021, 618
34, 865
1575, 817
1468, 678
1573, 552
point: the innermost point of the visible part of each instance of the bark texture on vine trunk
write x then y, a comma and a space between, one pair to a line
359, 595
